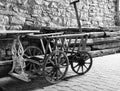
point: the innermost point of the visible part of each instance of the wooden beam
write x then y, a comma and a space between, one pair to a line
98, 53
105, 46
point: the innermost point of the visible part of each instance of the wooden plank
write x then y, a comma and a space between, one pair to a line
44, 35
112, 34
88, 48
90, 34
94, 41
18, 31
96, 34
105, 46
68, 29
5, 62
103, 40
103, 34
70, 35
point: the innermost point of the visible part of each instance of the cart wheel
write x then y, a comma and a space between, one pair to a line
31, 51
55, 66
33, 64
81, 62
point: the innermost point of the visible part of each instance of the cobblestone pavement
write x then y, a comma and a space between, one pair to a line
103, 76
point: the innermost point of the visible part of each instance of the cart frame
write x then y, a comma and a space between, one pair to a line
61, 51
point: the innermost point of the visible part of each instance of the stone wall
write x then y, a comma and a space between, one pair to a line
14, 14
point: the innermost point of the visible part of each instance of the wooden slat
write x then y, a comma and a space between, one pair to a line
56, 43
44, 35
62, 42
43, 46
73, 49
95, 41
80, 43
84, 41
5, 62
50, 48
68, 45
18, 31
70, 35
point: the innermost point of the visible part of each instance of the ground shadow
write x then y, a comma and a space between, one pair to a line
36, 83
18, 85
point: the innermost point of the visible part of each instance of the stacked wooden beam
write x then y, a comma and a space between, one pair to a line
104, 43
102, 40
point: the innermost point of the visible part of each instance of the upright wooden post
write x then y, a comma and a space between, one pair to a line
77, 16
117, 19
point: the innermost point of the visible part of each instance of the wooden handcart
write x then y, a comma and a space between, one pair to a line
55, 55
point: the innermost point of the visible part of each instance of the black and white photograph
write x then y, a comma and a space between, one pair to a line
59, 45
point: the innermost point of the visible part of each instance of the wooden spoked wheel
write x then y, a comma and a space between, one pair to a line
81, 62
33, 64
32, 51
55, 66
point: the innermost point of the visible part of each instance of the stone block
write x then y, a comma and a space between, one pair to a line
17, 20
2, 27
15, 27
74, 22
4, 19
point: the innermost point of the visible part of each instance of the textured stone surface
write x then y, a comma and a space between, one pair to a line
57, 13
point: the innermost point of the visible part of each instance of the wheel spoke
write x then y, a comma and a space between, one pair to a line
57, 72
53, 75
82, 69
62, 66
26, 56
85, 66
49, 73
34, 67
28, 64
62, 61
60, 71
34, 51
76, 66
31, 67
30, 52
59, 58
56, 60
87, 62
51, 62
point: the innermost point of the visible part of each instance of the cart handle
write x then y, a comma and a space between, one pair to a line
74, 2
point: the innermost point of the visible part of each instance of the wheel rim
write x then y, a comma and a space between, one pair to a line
81, 63
56, 66
32, 51
31, 65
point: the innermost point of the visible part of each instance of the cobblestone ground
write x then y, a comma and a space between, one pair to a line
103, 76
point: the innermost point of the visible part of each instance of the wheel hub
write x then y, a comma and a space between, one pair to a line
56, 67
81, 61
